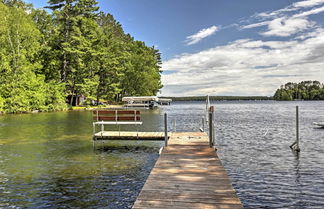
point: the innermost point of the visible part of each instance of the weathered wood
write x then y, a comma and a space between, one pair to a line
117, 115
130, 112
162, 204
129, 135
188, 174
118, 118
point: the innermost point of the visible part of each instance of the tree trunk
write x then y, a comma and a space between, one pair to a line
63, 75
72, 96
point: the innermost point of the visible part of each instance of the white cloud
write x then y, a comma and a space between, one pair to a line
255, 25
283, 22
287, 26
310, 12
287, 21
276, 13
253, 67
294, 7
245, 66
308, 3
195, 38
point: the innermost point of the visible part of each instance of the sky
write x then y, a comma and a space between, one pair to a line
222, 47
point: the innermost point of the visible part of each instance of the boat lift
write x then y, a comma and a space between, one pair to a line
145, 101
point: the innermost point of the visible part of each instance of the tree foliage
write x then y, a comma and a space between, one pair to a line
75, 50
21, 88
305, 90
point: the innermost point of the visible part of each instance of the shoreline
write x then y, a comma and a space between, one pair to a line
76, 108
82, 108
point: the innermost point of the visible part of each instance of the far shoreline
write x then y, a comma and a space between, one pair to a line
221, 98
174, 99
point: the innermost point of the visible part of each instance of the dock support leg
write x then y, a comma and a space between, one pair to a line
175, 125
136, 131
210, 129
203, 124
166, 129
214, 132
202, 128
297, 129
102, 129
295, 145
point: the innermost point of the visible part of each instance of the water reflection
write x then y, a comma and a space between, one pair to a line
47, 161
108, 147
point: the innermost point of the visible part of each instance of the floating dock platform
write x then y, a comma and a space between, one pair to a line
188, 175
129, 135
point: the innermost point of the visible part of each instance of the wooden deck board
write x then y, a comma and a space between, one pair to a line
188, 174
128, 135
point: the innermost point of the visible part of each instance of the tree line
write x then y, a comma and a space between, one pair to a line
305, 90
220, 98
47, 57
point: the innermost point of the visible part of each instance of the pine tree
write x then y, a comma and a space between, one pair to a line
74, 42
44, 57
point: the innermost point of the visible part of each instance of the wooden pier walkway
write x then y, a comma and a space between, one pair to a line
188, 174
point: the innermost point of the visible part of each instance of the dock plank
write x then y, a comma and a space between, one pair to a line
128, 135
188, 174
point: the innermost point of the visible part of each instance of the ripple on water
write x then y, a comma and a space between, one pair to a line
58, 167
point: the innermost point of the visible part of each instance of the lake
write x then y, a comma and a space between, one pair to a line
47, 160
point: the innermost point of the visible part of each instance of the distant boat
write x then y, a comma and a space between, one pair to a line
320, 124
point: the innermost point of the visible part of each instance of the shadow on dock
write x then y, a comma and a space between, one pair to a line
188, 174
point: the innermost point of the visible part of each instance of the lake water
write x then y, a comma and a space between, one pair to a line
47, 160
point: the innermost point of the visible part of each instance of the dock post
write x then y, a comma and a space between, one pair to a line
210, 129
295, 145
175, 125
297, 129
214, 134
166, 129
207, 108
203, 124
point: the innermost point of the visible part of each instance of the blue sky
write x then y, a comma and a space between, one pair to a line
222, 47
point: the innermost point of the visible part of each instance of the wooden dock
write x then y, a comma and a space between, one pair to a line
128, 135
188, 174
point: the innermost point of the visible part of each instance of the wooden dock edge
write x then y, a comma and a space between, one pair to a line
188, 174
129, 135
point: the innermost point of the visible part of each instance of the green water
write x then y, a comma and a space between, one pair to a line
47, 160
